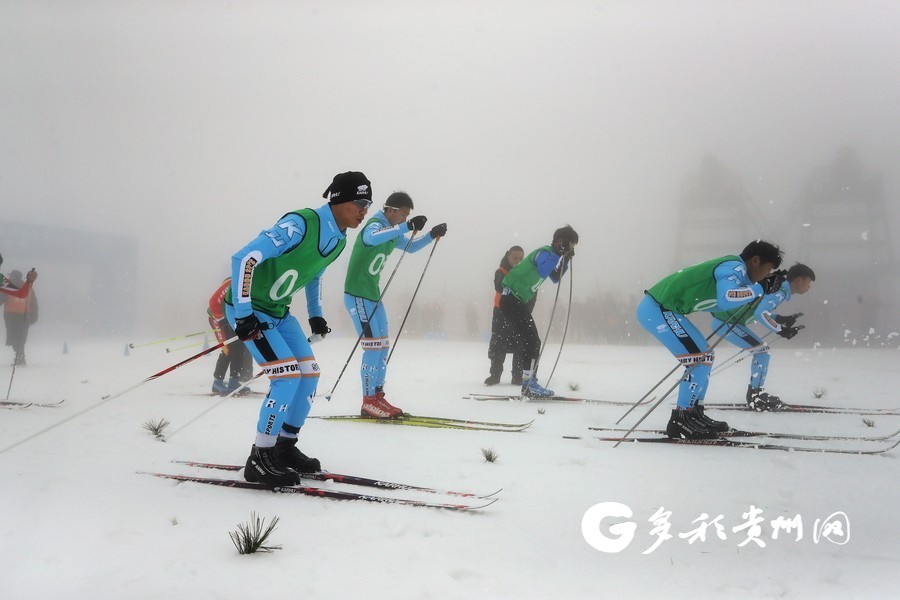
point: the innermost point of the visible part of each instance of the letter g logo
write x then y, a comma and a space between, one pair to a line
623, 532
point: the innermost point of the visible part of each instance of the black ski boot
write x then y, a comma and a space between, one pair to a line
760, 401
684, 425
287, 453
718, 426
263, 467
496, 372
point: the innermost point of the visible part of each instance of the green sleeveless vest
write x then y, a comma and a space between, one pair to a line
276, 280
523, 279
691, 289
366, 264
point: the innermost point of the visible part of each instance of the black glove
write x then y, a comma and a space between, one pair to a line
564, 249
417, 223
248, 328
319, 326
439, 231
773, 282
788, 332
787, 320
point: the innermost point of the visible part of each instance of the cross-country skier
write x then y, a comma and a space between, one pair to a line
715, 285
266, 273
500, 344
234, 358
799, 280
380, 237
519, 287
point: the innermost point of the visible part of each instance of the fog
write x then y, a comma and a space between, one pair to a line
184, 128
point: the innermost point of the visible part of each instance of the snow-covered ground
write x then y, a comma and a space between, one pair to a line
77, 521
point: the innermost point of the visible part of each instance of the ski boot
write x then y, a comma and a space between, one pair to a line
234, 383
760, 401
717, 426
532, 389
220, 388
263, 467
684, 425
496, 372
492, 380
393, 410
286, 453
377, 408
516, 378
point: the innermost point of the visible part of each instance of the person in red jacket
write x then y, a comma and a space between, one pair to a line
20, 310
233, 356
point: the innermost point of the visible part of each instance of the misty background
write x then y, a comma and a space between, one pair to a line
143, 143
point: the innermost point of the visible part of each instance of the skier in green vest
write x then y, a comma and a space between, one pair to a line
721, 284
362, 294
266, 273
519, 287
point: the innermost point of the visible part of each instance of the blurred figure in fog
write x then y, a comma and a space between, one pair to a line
234, 358
501, 344
20, 310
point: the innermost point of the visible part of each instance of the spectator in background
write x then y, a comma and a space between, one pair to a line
20, 310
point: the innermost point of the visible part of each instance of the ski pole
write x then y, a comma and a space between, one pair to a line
675, 368
565, 329
402, 323
751, 306
172, 339
377, 303
724, 366
194, 345
727, 362
534, 369
108, 398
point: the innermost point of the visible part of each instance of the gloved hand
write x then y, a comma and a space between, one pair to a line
787, 320
439, 231
248, 328
319, 327
564, 249
773, 282
417, 223
31, 276
788, 332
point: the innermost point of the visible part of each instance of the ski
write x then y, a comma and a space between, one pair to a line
319, 492
551, 399
435, 424
774, 435
12, 404
751, 445
812, 408
349, 480
9, 405
424, 421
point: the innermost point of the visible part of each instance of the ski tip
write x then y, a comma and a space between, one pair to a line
478, 506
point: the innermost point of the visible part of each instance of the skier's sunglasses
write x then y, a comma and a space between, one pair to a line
362, 203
